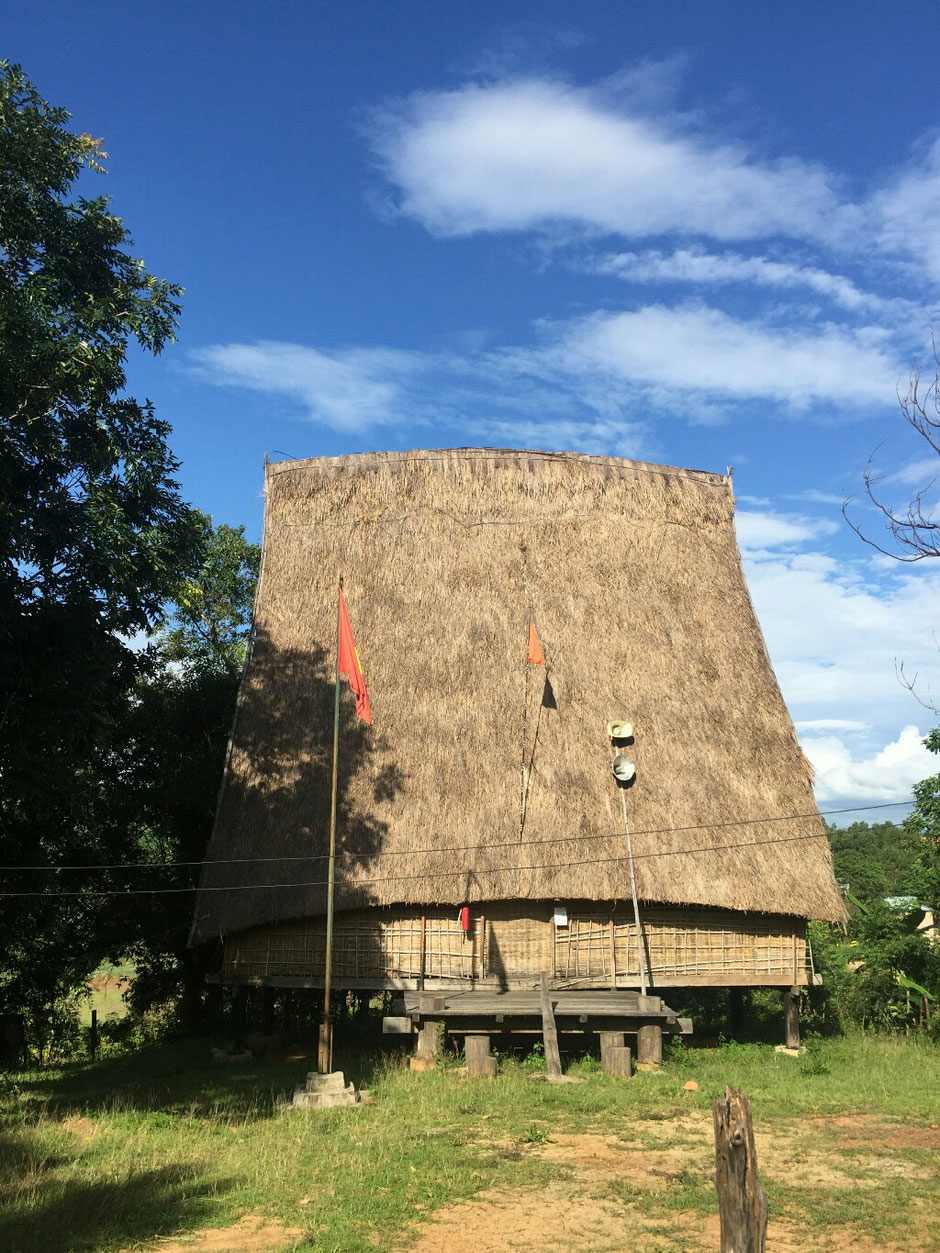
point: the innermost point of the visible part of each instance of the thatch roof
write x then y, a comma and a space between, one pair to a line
632, 574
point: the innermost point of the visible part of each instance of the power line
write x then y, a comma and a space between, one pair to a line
464, 848
431, 874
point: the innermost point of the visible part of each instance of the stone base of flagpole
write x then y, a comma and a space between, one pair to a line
325, 1092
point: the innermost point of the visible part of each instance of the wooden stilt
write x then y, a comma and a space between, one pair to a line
649, 1045
616, 1058
736, 1010
239, 1000
791, 1017
480, 1064
267, 1011
427, 1046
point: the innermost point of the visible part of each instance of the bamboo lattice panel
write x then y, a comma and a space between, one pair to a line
516, 942
366, 945
679, 943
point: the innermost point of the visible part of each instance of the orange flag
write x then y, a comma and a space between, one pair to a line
535, 656
350, 667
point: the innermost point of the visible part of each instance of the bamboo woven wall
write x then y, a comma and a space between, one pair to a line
508, 944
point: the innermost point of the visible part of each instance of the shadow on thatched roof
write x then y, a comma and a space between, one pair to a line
633, 576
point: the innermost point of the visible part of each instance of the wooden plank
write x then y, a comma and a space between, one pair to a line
742, 1206
549, 1033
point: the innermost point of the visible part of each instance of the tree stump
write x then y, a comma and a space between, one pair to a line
742, 1206
480, 1065
649, 1045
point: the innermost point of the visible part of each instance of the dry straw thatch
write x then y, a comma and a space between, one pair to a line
633, 575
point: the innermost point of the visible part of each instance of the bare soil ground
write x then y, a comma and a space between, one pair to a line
250, 1234
594, 1205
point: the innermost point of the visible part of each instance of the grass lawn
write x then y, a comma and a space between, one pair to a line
113, 1155
107, 985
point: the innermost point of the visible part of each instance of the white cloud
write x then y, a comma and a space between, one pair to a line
836, 631
762, 529
907, 211
595, 379
697, 349
693, 265
916, 473
887, 775
535, 153
350, 389
830, 724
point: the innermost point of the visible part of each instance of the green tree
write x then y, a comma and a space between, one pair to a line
173, 747
94, 535
876, 860
923, 824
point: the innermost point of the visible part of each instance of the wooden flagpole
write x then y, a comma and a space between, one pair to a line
325, 1049
641, 957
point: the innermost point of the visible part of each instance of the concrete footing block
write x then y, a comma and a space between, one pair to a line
325, 1092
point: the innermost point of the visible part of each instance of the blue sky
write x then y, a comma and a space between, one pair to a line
701, 234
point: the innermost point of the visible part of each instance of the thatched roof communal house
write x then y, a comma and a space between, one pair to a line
479, 786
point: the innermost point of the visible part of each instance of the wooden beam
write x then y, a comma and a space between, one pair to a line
493, 984
742, 1206
549, 1031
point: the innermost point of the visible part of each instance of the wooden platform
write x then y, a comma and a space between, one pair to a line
484, 1010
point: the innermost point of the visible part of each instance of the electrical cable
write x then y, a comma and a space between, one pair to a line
459, 848
432, 874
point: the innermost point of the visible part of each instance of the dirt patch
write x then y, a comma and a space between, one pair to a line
581, 1210
82, 1128
547, 1219
251, 1234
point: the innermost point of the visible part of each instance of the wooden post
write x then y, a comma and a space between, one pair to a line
93, 1035
480, 1065
427, 1046
424, 951
613, 954
610, 1040
549, 1031
791, 1017
737, 1000
267, 1011
742, 1206
239, 1006
616, 1058
649, 1045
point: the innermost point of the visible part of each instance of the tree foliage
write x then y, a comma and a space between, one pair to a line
94, 535
173, 752
876, 860
923, 824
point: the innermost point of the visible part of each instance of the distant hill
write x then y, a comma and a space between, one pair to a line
875, 860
